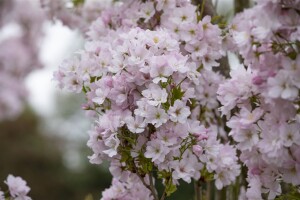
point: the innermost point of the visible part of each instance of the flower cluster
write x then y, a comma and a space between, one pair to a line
75, 14
147, 71
262, 101
18, 53
17, 187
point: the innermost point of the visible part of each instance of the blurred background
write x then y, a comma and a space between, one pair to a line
46, 143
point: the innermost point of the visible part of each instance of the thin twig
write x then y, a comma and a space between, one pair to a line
202, 9
196, 191
164, 194
197, 188
154, 192
208, 190
150, 187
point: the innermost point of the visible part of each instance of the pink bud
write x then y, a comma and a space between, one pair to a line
255, 171
272, 73
202, 137
197, 149
85, 106
109, 82
257, 80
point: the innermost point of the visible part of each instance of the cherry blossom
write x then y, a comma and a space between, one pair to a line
148, 70
17, 187
261, 103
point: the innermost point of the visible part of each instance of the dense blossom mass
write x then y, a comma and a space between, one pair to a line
151, 89
18, 52
162, 107
149, 72
261, 99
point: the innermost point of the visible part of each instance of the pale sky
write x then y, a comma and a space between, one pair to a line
59, 43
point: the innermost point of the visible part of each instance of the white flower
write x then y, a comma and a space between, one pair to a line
146, 11
254, 192
113, 142
155, 95
183, 169
280, 86
156, 151
179, 112
157, 116
241, 38
292, 174
289, 134
135, 125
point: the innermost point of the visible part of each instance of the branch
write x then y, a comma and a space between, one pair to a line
164, 194
150, 187
153, 190
198, 189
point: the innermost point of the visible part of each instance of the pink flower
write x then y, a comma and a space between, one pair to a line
167, 137
113, 143
292, 174
155, 95
2, 195
135, 125
254, 192
160, 69
17, 187
146, 11
183, 170
156, 116
197, 149
289, 134
179, 112
281, 86
248, 118
235, 90
156, 151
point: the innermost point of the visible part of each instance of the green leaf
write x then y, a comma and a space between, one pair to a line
166, 106
207, 175
124, 156
162, 174
292, 55
93, 79
78, 2
164, 85
292, 194
171, 188
84, 89
176, 94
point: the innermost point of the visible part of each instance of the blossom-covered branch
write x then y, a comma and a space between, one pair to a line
261, 99
148, 71
152, 94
